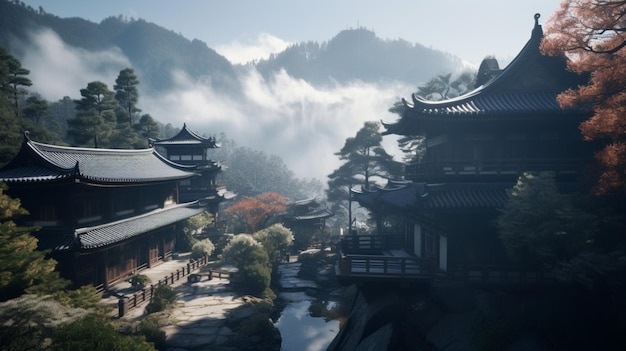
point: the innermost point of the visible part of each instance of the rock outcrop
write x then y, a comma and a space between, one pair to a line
462, 318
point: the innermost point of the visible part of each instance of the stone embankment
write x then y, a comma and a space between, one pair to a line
448, 317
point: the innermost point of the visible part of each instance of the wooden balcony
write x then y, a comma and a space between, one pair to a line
368, 258
489, 168
371, 244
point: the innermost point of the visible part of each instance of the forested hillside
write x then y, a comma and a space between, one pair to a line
358, 54
153, 50
354, 54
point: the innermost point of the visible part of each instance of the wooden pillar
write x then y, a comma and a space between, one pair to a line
105, 267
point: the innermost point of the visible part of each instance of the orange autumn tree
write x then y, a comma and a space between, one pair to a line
592, 34
255, 211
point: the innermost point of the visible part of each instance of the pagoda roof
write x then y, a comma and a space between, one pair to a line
186, 137
435, 196
526, 89
38, 162
115, 232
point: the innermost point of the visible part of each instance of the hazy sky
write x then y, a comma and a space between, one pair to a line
241, 30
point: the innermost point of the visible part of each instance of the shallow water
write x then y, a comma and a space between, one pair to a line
305, 324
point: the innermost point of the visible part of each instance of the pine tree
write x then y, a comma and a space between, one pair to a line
126, 93
365, 159
22, 267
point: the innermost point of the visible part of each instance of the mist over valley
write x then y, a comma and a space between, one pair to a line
299, 104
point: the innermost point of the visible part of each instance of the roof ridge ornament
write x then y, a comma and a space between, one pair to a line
537, 31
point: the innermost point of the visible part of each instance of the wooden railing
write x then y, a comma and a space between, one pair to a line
144, 295
370, 243
446, 168
384, 266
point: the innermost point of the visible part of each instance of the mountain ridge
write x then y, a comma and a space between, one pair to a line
154, 52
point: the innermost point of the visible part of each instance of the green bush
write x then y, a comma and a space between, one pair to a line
252, 278
251, 259
164, 297
276, 240
149, 327
202, 248
192, 226
139, 281
96, 333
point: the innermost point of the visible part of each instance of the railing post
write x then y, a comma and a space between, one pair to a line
188, 268
121, 307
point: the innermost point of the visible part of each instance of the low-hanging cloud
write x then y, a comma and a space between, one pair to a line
247, 50
303, 124
282, 115
59, 70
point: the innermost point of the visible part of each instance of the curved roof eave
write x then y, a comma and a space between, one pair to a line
505, 96
186, 136
110, 165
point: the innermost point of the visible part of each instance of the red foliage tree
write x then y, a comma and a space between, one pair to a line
592, 34
255, 211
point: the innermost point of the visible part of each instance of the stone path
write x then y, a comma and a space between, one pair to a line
200, 316
199, 319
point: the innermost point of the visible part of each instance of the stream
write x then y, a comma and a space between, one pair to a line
306, 323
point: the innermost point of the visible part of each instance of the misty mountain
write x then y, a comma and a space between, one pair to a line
357, 54
300, 104
155, 52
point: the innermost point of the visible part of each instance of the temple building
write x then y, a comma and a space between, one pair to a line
305, 217
439, 220
103, 213
188, 148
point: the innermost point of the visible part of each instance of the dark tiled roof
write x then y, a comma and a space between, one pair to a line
55, 239
42, 162
490, 106
313, 215
111, 233
34, 174
468, 197
185, 137
526, 89
436, 196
